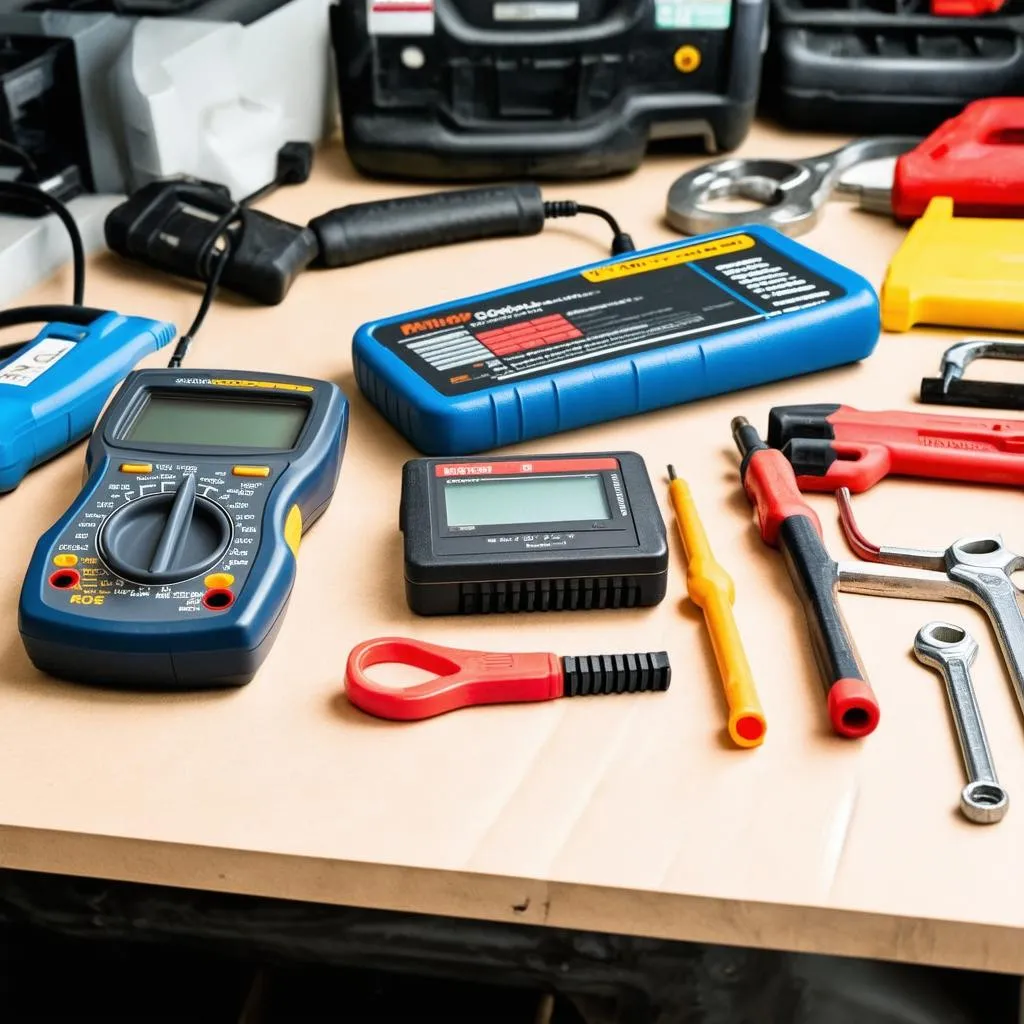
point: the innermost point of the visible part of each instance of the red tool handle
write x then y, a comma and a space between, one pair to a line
786, 521
845, 447
975, 158
772, 489
968, 448
463, 678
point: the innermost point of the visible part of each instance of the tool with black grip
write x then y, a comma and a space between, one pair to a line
464, 678
831, 446
787, 522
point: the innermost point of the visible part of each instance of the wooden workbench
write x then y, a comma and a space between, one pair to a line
628, 814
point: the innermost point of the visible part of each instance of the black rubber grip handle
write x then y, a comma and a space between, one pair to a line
616, 673
852, 706
368, 231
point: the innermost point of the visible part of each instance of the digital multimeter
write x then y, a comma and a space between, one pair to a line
173, 567
53, 389
531, 533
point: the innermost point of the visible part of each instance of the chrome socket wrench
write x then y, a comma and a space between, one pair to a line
952, 650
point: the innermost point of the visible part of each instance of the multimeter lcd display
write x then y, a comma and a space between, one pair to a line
501, 502
228, 423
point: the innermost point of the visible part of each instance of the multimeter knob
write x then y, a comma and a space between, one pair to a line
165, 538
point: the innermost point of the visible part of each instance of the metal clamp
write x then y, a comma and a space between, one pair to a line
949, 388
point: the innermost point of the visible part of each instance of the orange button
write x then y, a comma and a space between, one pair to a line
687, 59
136, 467
65, 561
219, 581
251, 471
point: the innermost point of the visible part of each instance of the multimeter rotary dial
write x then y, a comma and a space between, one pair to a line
165, 538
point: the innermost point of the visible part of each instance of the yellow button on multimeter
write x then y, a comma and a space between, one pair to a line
178, 576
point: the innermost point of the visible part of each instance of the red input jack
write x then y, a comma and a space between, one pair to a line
218, 599
65, 579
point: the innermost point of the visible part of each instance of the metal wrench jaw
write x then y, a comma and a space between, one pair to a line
986, 553
983, 802
787, 189
938, 642
794, 191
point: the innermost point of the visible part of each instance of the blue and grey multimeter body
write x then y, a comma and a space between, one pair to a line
53, 389
638, 332
173, 567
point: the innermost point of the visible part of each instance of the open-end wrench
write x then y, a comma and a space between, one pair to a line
952, 650
981, 567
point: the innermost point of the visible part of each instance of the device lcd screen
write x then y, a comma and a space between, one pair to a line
188, 420
528, 499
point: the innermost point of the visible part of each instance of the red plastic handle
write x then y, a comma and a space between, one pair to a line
772, 489
463, 678
871, 445
975, 158
858, 466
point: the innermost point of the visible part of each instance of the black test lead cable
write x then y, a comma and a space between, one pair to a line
210, 265
34, 194
78, 313
217, 269
621, 241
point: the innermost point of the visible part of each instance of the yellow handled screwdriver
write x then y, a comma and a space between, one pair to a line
711, 588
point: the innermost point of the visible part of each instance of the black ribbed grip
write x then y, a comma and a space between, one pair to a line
616, 673
368, 231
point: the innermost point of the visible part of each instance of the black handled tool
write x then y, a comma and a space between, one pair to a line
787, 522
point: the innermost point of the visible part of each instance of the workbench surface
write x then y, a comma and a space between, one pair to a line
629, 814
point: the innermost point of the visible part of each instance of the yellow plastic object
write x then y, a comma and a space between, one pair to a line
957, 272
293, 529
712, 590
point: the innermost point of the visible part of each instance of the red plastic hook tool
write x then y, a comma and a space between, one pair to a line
465, 678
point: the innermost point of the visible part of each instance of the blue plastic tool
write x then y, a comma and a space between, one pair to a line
638, 332
53, 389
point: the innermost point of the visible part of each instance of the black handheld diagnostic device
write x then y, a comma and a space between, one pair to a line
531, 533
173, 566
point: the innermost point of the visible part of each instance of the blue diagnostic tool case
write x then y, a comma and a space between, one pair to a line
53, 389
643, 331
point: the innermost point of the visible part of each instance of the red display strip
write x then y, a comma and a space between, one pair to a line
538, 466
529, 334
